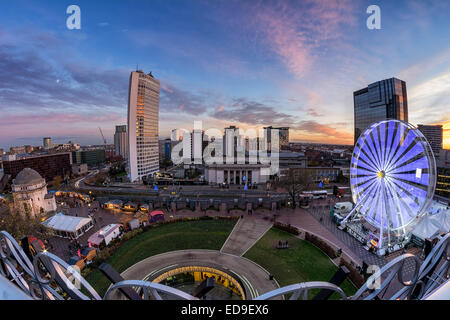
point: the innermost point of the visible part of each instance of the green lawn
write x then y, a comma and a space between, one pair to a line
202, 234
302, 262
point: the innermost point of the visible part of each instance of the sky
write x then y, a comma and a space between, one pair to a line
248, 63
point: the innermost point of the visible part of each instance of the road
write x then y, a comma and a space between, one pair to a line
187, 191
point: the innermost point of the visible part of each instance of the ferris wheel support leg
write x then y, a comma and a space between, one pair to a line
343, 223
352, 212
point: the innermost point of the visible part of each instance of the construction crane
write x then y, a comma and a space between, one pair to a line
103, 137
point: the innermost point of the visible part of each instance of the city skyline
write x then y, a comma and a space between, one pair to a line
249, 64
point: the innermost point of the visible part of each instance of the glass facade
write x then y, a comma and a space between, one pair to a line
381, 100
434, 135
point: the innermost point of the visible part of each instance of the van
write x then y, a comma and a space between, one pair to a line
342, 208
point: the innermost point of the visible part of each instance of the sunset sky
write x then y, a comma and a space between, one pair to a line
247, 63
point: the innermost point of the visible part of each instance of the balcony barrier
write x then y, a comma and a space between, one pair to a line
47, 277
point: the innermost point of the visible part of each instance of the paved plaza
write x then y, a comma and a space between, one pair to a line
248, 230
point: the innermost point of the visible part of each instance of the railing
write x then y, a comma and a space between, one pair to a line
301, 290
47, 277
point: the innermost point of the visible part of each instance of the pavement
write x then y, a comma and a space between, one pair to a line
246, 232
65, 248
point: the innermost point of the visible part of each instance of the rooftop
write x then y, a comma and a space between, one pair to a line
28, 177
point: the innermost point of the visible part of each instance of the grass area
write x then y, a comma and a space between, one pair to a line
302, 262
202, 234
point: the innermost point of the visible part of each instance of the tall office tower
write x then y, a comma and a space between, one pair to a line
47, 142
197, 146
165, 149
187, 147
234, 143
176, 135
143, 109
434, 136
121, 141
385, 99
283, 134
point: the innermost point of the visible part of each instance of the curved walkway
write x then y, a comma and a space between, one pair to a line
255, 278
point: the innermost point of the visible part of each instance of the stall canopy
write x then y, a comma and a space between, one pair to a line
425, 229
157, 212
441, 220
61, 222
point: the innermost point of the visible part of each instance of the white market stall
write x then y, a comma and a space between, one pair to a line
106, 234
68, 226
431, 226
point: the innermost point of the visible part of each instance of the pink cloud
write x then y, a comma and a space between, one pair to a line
55, 118
295, 33
13, 126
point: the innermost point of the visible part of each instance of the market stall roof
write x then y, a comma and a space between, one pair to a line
62, 222
116, 202
441, 220
156, 212
425, 228
73, 260
86, 251
101, 234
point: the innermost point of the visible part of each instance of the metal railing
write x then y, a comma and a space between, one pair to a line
48, 277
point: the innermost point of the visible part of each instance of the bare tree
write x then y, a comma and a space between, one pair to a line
295, 182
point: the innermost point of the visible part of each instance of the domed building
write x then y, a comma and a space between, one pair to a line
30, 193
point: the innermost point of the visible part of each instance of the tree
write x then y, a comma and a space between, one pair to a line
56, 181
20, 223
296, 181
335, 190
341, 178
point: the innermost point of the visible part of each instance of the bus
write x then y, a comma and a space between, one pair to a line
320, 194
307, 195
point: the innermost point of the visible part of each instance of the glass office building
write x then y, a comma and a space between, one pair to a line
143, 114
385, 99
434, 135
121, 141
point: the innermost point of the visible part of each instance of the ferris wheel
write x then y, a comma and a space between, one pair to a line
392, 178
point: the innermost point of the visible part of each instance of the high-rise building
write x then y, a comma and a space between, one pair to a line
165, 148
434, 135
47, 142
233, 142
197, 146
187, 147
121, 141
385, 99
143, 109
176, 135
283, 134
